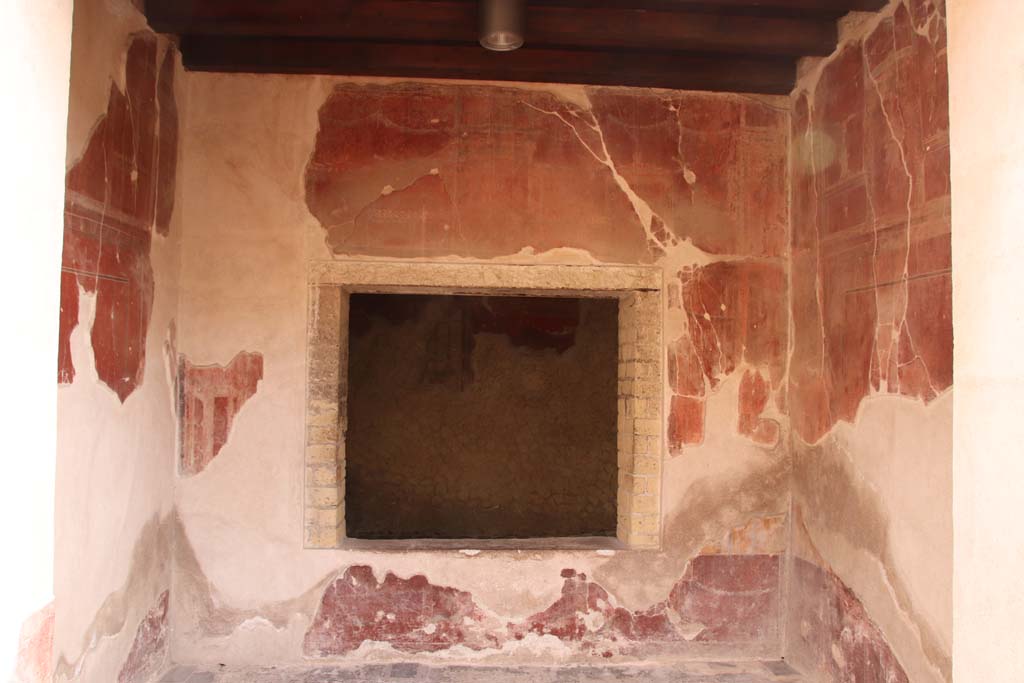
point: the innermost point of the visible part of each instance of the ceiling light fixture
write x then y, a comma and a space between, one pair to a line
501, 24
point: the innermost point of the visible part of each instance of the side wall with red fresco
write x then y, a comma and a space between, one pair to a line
117, 366
870, 382
282, 171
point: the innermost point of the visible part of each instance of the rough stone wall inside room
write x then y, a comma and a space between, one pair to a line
326, 168
481, 417
116, 422
871, 362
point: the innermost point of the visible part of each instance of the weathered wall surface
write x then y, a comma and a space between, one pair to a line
116, 426
871, 361
279, 171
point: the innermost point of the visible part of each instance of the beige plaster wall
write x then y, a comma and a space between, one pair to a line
248, 239
35, 51
115, 461
872, 500
986, 98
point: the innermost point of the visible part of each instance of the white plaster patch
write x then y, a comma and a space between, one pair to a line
689, 631
837, 656
592, 620
257, 624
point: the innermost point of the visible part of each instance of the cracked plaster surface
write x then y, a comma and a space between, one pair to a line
119, 192
871, 343
693, 182
871, 270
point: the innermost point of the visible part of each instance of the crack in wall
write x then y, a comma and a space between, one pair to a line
643, 210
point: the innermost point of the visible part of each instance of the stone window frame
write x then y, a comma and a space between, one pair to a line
640, 439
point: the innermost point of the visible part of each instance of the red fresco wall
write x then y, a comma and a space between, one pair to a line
637, 177
871, 292
692, 181
697, 183
117, 194
721, 599
210, 398
871, 260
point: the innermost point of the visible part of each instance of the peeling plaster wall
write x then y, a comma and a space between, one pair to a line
283, 170
116, 400
870, 397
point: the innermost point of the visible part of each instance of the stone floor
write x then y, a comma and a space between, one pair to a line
693, 672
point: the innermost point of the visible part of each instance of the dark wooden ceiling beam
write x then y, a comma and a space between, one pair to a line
771, 75
455, 22
823, 7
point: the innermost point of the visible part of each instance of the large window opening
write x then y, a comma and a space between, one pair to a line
481, 417
518, 405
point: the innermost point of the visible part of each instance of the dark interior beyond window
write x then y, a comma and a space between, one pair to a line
481, 417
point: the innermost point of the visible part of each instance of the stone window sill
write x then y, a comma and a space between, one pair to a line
473, 545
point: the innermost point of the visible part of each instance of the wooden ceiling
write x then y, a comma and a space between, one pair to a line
723, 45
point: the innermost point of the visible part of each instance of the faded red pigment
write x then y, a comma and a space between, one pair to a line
836, 629
149, 649
730, 599
720, 599
480, 171
121, 187
736, 317
432, 170
871, 259
754, 395
210, 397
412, 615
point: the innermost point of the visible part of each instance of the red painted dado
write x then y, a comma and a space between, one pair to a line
113, 193
720, 599
736, 316
483, 171
412, 615
210, 397
149, 649
830, 624
871, 223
